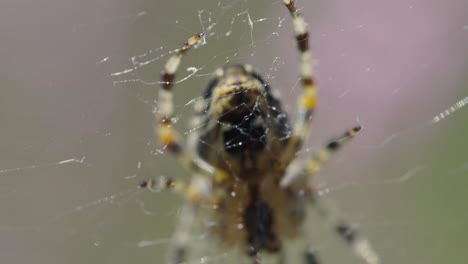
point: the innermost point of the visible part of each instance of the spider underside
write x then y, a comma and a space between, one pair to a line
247, 140
243, 159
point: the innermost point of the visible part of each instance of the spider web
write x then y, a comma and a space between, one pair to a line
79, 92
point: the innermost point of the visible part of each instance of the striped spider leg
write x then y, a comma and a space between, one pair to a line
332, 216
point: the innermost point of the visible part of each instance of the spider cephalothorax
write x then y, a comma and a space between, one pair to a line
243, 121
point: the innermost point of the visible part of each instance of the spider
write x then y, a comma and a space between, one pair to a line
248, 189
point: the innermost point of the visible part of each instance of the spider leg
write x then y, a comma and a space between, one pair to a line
163, 183
331, 215
310, 255
307, 99
358, 243
184, 232
312, 166
183, 235
168, 137
191, 220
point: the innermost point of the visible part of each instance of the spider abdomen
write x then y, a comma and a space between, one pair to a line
258, 217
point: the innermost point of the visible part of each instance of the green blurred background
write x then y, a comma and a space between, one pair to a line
76, 137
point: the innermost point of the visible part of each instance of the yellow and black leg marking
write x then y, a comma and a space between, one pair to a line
307, 99
312, 166
359, 244
323, 155
168, 137
163, 183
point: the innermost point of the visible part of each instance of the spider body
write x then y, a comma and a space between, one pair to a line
243, 121
242, 155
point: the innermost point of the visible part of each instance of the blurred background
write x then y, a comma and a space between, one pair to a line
78, 87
